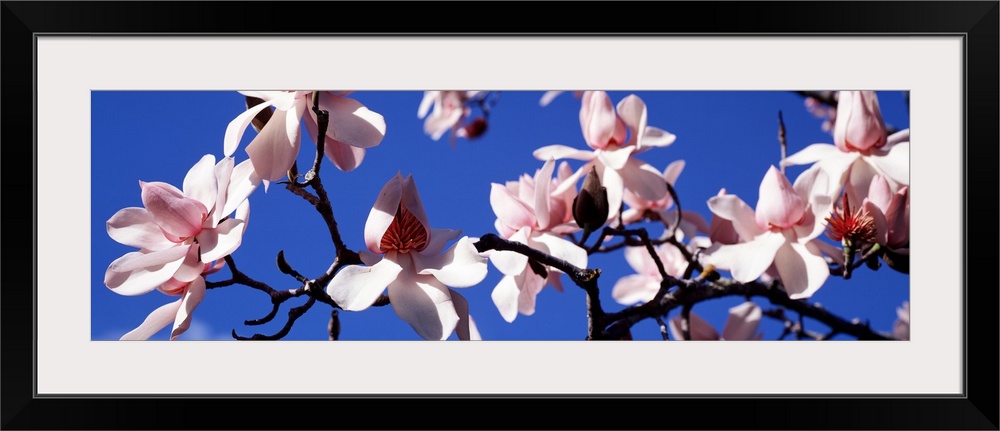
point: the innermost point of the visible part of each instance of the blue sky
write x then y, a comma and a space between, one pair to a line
727, 139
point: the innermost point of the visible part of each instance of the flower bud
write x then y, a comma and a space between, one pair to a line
590, 207
859, 125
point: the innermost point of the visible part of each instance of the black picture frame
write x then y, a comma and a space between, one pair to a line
976, 21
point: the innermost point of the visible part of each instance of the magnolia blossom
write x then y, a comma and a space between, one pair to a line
691, 222
529, 213
780, 232
741, 325
642, 287
901, 328
404, 254
861, 149
180, 234
351, 130
615, 135
449, 111
891, 214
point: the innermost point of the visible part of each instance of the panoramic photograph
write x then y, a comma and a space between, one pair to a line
503, 215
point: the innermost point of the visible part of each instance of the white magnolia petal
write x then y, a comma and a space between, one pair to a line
542, 193
563, 249
200, 182
699, 329
640, 261
351, 122
190, 269
743, 321
812, 153
243, 182
612, 182
509, 208
223, 176
732, 208
137, 273
834, 252
235, 129
154, 322
424, 303
802, 269
644, 180
635, 288
895, 164
548, 97
562, 152
135, 227
505, 297
220, 242
656, 137
356, 287
632, 111
615, 158
531, 284
748, 260
439, 238
466, 329
459, 266
274, 149
345, 157
426, 102
193, 295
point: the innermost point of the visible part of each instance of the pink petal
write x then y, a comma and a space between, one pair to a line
812, 153
352, 123
235, 129
192, 297
220, 242
562, 152
673, 171
243, 182
466, 329
632, 111
383, 212
878, 217
643, 179
778, 204
438, 239
562, 249
898, 219
748, 260
135, 227
138, 273
356, 287
601, 125
656, 137
411, 201
543, 193
509, 262
200, 183
859, 124
699, 329
223, 173
424, 303
732, 208
879, 192
895, 164
640, 261
154, 322
345, 157
179, 216
743, 321
634, 289
616, 157
801, 268
459, 266
189, 270
505, 297
274, 149
531, 285
509, 209
615, 186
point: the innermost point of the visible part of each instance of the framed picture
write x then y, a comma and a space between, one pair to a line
86, 65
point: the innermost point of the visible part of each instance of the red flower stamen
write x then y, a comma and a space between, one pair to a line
405, 233
855, 227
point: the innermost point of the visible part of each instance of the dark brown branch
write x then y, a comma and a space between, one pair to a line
293, 315
782, 141
333, 328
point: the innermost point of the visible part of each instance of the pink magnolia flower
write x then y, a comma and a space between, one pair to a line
741, 325
781, 232
691, 222
449, 111
529, 213
180, 233
404, 254
615, 135
901, 328
891, 214
352, 129
642, 287
861, 149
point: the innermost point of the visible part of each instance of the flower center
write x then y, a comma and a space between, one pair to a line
405, 233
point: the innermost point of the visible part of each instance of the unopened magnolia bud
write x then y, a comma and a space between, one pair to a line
590, 207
